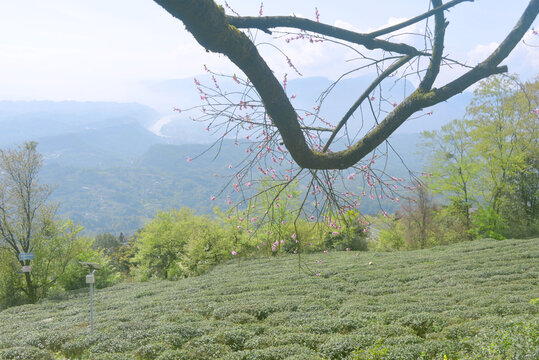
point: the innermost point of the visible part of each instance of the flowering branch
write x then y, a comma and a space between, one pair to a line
216, 32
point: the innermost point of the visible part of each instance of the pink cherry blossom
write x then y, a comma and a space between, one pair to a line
233, 252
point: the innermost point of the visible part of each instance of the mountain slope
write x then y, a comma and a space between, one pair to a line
107, 192
473, 300
29, 120
113, 145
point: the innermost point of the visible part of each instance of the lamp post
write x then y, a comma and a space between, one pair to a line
90, 279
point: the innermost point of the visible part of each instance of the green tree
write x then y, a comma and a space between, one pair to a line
276, 210
351, 234
25, 215
453, 168
489, 160
522, 205
179, 243
108, 242
504, 132
159, 243
28, 224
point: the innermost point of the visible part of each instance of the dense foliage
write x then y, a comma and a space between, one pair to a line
29, 226
179, 243
484, 173
474, 300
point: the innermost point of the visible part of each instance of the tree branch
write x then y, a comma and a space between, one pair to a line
267, 22
209, 25
437, 49
436, 10
490, 65
363, 96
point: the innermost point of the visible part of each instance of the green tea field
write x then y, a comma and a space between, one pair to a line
474, 300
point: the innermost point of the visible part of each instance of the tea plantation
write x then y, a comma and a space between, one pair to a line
475, 300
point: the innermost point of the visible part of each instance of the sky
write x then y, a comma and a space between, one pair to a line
106, 50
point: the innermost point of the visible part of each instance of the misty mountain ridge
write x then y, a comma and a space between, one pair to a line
111, 173
182, 93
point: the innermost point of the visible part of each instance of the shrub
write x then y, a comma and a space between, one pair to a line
423, 323
26, 353
340, 347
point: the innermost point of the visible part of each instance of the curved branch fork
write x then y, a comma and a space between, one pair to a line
218, 32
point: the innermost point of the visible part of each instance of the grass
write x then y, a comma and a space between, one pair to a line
475, 300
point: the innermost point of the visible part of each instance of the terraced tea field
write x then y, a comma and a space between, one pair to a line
476, 300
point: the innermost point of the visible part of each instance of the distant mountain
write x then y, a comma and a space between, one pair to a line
123, 197
125, 194
29, 120
111, 173
107, 146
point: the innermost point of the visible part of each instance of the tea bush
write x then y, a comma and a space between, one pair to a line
473, 300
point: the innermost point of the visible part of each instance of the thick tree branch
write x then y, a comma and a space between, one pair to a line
490, 65
437, 49
268, 22
209, 25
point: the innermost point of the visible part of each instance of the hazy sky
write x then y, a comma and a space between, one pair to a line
106, 49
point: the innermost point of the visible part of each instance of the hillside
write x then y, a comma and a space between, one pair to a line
106, 191
32, 120
124, 196
474, 300
111, 173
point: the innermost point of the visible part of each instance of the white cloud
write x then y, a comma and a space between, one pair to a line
480, 52
346, 25
76, 49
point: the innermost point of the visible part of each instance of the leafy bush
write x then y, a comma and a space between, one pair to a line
10, 280
178, 243
351, 235
26, 353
